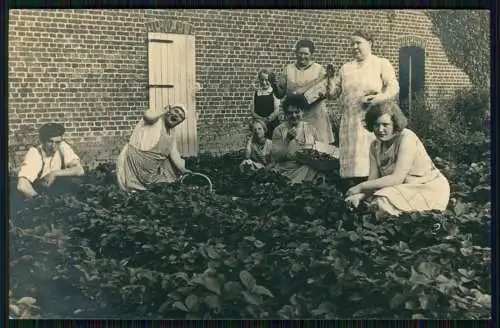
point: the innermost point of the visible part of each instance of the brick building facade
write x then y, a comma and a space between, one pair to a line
89, 68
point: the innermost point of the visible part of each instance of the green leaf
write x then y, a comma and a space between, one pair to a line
212, 284
212, 301
251, 310
231, 262
180, 306
232, 289
186, 290
212, 253
203, 253
164, 307
286, 312
466, 251
460, 208
367, 313
403, 246
252, 299
397, 300
424, 301
417, 316
410, 305
182, 275
418, 278
261, 290
247, 279
259, 244
429, 269
191, 301
323, 308
369, 226
355, 297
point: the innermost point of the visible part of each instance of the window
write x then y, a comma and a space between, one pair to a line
411, 77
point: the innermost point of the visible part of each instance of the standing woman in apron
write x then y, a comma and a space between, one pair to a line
367, 80
296, 76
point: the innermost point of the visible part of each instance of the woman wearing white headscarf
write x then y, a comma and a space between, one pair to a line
151, 155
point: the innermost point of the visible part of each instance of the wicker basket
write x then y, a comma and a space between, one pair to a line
319, 164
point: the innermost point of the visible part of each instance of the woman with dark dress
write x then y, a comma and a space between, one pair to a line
265, 106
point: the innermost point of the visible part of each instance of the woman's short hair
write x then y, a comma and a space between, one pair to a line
262, 71
305, 43
257, 121
293, 99
388, 107
365, 34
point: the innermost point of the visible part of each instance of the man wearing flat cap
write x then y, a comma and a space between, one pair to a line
51, 166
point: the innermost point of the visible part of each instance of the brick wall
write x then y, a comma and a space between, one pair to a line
88, 68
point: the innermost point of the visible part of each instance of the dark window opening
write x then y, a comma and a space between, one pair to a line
411, 77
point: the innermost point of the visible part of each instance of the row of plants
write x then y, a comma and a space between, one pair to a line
254, 248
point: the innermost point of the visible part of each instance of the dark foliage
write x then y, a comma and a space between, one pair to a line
254, 248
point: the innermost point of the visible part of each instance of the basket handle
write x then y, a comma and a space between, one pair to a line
198, 174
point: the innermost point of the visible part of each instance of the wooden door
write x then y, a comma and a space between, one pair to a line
171, 69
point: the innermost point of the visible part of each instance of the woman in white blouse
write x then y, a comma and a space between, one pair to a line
364, 81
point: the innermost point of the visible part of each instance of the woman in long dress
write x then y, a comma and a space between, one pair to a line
297, 75
289, 137
151, 155
402, 177
364, 81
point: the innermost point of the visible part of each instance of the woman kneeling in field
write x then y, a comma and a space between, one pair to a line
258, 149
151, 155
402, 177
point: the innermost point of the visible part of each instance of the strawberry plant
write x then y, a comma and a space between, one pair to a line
254, 248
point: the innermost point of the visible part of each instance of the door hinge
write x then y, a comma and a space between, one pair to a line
161, 41
167, 86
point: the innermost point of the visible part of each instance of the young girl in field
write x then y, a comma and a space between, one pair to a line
265, 106
258, 148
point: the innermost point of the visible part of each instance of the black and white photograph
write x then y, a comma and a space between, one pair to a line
249, 164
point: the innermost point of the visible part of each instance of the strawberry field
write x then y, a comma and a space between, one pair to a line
253, 248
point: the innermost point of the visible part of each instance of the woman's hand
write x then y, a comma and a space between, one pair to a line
354, 190
353, 201
370, 100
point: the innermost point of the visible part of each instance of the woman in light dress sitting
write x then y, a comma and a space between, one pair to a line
288, 138
402, 176
151, 155
258, 149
